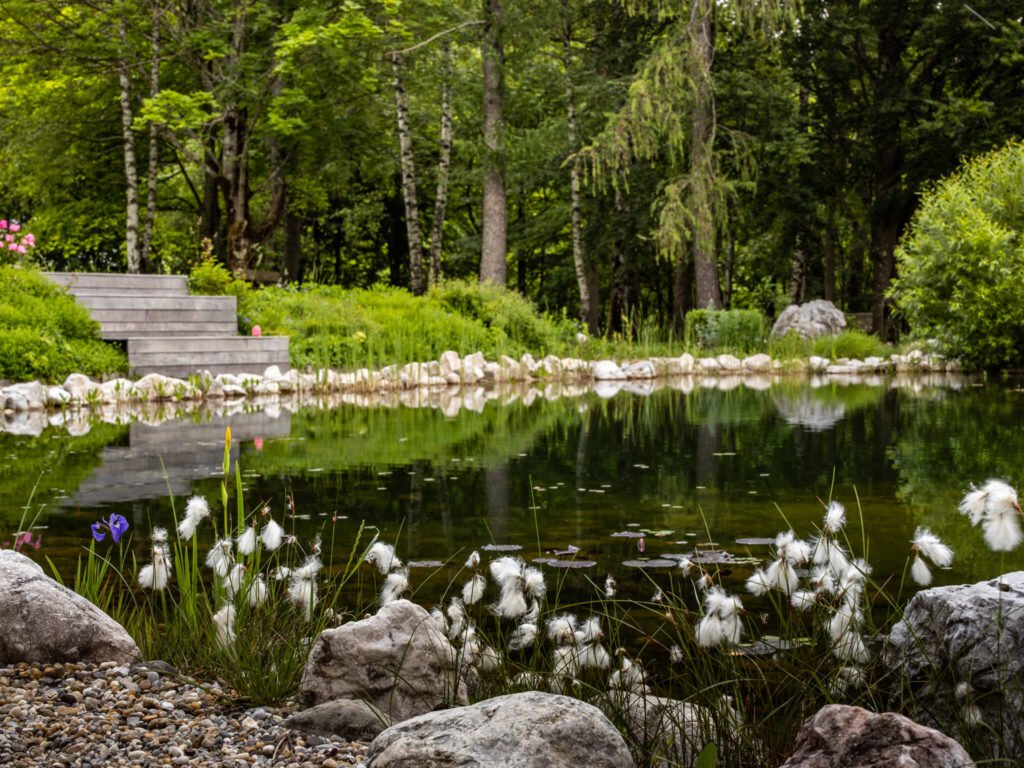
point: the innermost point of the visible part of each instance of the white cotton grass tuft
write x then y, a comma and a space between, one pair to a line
473, 590
675, 655
224, 626
781, 575
257, 592
562, 629
721, 622
629, 676
302, 592
473, 562
272, 535
996, 507
804, 599
835, 518
506, 569
523, 636
159, 536
590, 631
156, 574
195, 511
593, 656
920, 572
219, 559
395, 585
564, 661
309, 569
533, 583
512, 604
930, 546
440, 622
457, 614
609, 587
246, 543
383, 556
233, 581
757, 583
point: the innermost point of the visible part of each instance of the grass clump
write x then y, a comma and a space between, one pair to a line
851, 344
735, 330
45, 335
335, 327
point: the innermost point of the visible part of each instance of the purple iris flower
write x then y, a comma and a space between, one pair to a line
116, 524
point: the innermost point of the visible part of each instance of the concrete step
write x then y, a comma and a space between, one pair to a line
142, 313
98, 283
182, 356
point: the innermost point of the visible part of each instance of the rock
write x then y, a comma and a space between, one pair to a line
959, 651
397, 659
117, 391
272, 372
352, 720
78, 386
729, 363
153, 386
818, 364
606, 370
839, 736
641, 369
552, 366
450, 363
13, 401
811, 320
758, 363
57, 396
708, 365
32, 393
687, 363
521, 730
45, 622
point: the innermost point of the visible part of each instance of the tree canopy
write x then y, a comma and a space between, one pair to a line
652, 157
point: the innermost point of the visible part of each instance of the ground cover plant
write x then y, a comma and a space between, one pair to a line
739, 646
45, 335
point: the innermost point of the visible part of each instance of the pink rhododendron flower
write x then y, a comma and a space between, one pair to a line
3, 223
15, 226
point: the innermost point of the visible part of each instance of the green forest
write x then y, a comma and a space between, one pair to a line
615, 161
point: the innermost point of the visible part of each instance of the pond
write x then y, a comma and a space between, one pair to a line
623, 483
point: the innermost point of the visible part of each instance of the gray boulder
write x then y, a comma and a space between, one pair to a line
352, 720
606, 370
811, 320
521, 730
839, 736
45, 622
397, 659
673, 732
959, 655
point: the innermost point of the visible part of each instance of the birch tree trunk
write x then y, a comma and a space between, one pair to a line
408, 162
154, 146
587, 286
702, 170
495, 206
131, 172
443, 165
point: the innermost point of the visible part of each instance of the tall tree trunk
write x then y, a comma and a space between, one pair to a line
292, 247
209, 221
408, 162
830, 255
131, 172
153, 165
587, 287
443, 165
702, 169
798, 267
494, 243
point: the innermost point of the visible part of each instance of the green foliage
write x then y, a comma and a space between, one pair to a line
961, 263
852, 344
739, 330
45, 335
331, 326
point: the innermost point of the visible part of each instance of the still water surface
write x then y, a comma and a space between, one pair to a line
669, 470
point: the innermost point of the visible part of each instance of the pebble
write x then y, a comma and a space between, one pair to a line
89, 715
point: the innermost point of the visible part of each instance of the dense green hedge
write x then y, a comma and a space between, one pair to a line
45, 335
961, 262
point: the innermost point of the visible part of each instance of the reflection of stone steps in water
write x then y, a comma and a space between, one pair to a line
173, 454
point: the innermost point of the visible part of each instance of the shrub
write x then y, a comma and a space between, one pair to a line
45, 334
739, 330
852, 344
961, 262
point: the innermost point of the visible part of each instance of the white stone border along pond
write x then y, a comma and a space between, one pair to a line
451, 384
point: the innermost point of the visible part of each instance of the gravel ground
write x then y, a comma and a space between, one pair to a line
79, 715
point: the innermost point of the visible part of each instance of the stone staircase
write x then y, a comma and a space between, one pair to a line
168, 331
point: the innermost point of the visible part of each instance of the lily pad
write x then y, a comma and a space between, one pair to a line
755, 541
658, 534
425, 564
501, 547
656, 563
572, 549
627, 535
568, 564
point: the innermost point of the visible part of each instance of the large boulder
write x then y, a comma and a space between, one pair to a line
839, 736
811, 320
959, 656
42, 621
398, 660
521, 730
